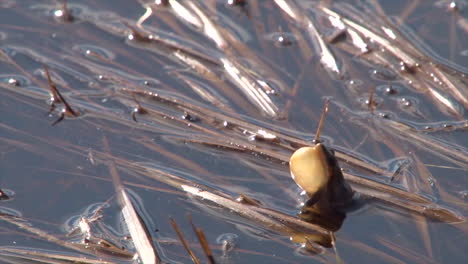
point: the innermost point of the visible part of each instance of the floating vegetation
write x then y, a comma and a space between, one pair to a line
139, 114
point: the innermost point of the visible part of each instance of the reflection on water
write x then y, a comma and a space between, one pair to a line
206, 102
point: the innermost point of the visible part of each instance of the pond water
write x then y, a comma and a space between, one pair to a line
190, 104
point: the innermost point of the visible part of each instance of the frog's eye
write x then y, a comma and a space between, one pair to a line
309, 168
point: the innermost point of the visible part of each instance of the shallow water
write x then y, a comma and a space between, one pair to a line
201, 125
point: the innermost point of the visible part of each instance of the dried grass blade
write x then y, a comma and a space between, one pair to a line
209, 28
439, 97
42, 234
47, 257
183, 241
250, 88
326, 56
203, 242
372, 188
458, 91
185, 14
426, 208
288, 9
410, 255
138, 231
450, 152
397, 52
374, 252
57, 96
271, 219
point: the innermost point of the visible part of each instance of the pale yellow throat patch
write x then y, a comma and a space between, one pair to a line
309, 168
